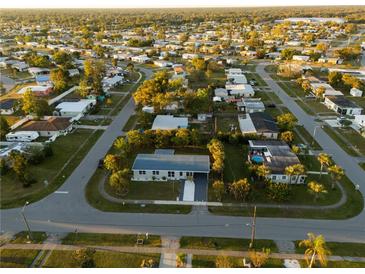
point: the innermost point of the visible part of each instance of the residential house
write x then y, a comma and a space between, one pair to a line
259, 123
48, 127
276, 155
251, 105
7, 106
169, 122
164, 165
37, 90
342, 105
356, 92
75, 109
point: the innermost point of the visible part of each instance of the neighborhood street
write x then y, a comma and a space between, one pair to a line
67, 209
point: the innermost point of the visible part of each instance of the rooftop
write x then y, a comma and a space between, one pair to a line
169, 122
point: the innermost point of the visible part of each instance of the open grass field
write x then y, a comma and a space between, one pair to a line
54, 169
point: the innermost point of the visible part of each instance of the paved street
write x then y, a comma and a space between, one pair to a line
60, 212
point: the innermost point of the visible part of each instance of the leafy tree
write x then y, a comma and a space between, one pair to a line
315, 249
135, 139
119, 181
84, 257
288, 53
294, 170
335, 79
325, 161
83, 89
182, 137
28, 102
218, 187
19, 164
42, 108
4, 127
287, 136
286, 121
115, 62
259, 258
319, 91
322, 47
216, 149
223, 262
59, 79
240, 189
111, 162
279, 192
316, 189
262, 171
148, 263
306, 85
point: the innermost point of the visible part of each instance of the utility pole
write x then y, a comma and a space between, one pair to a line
26, 222
253, 227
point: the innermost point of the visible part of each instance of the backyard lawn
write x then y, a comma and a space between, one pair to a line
68, 152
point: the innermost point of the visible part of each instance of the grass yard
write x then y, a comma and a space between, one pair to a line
291, 88
304, 134
268, 97
104, 239
353, 137
344, 145
22, 237
234, 163
68, 152
225, 243
257, 78
17, 258
62, 259
362, 165
339, 249
96, 122
227, 123
131, 123
352, 207
96, 200
150, 191
204, 261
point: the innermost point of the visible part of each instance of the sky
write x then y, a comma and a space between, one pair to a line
165, 3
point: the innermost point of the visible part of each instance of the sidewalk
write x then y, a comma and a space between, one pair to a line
138, 249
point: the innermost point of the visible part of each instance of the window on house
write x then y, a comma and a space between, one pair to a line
273, 177
142, 172
171, 174
189, 173
181, 174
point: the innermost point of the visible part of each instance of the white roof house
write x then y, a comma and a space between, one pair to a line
35, 89
22, 136
240, 90
330, 91
169, 122
113, 81
360, 120
140, 59
303, 58
356, 92
72, 109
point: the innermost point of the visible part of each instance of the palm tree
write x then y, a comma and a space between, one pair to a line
316, 188
316, 248
325, 160
293, 170
337, 173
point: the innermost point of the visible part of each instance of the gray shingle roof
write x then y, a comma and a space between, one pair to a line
193, 163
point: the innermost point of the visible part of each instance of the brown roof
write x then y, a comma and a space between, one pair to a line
52, 124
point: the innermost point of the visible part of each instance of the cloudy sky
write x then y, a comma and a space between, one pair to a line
164, 3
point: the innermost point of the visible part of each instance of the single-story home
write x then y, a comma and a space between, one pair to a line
51, 126
329, 90
37, 90
20, 66
162, 63
140, 59
164, 165
43, 80
7, 106
276, 155
302, 58
34, 71
342, 105
169, 122
251, 105
356, 92
73, 109
259, 123
240, 90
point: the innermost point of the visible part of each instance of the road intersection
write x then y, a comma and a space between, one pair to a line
68, 210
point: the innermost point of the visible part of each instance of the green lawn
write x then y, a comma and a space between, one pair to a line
22, 237
225, 243
344, 145
234, 163
204, 261
225, 124
95, 122
96, 200
106, 259
291, 88
17, 257
305, 134
362, 165
268, 97
340, 249
352, 207
54, 169
104, 239
131, 123
354, 138
257, 78
150, 191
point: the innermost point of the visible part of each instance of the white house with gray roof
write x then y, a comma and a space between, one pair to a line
164, 165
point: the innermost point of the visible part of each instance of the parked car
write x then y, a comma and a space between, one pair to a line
101, 163
271, 105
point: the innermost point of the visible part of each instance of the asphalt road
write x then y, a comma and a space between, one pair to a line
68, 211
